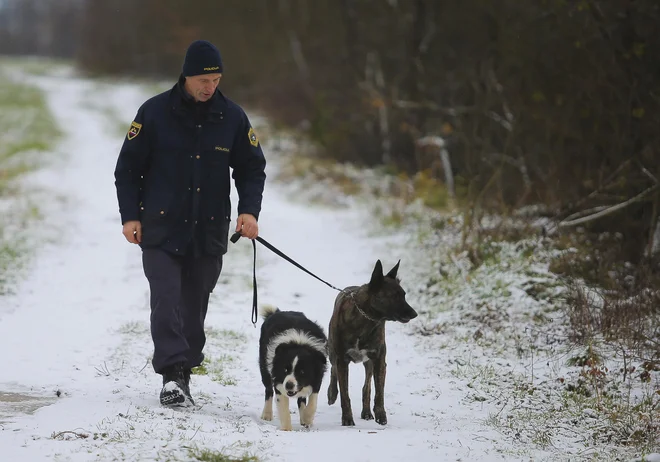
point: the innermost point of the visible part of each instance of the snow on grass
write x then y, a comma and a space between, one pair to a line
29, 134
487, 372
499, 316
85, 307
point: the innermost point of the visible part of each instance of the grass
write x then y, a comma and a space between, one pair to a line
28, 131
389, 191
503, 289
225, 335
602, 421
134, 328
504, 317
37, 66
208, 455
216, 369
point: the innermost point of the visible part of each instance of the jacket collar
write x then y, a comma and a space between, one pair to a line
182, 102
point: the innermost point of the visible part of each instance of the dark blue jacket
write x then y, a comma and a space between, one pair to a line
173, 171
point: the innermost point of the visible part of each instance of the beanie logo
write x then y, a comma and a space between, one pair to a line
254, 141
215, 68
134, 130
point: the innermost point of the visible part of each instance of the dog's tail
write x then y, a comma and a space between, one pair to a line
267, 310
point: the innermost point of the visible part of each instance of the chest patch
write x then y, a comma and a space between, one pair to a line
357, 354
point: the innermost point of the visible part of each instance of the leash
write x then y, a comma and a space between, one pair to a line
237, 236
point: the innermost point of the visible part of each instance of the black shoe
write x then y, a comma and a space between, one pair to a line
176, 390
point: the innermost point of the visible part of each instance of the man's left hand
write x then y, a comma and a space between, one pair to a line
247, 225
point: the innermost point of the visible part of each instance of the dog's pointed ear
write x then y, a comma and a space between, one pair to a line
393, 271
377, 276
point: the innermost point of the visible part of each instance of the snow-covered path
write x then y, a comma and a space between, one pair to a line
78, 328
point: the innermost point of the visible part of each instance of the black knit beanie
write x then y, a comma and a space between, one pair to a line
202, 57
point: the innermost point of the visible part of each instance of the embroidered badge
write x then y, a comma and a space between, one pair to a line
134, 130
254, 141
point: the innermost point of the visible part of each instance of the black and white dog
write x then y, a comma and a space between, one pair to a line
292, 360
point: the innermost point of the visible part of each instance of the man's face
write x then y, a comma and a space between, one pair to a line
202, 87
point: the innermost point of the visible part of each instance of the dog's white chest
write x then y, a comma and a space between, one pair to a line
357, 354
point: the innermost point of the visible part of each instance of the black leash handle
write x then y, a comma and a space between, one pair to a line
236, 236
255, 314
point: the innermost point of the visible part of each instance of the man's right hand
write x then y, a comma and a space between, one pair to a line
133, 231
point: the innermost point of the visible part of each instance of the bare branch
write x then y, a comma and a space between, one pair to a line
597, 191
586, 212
500, 91
649, 174
508, 126
611, 209
431, 106
655, 242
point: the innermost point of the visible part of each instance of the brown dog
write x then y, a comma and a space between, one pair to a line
357, 334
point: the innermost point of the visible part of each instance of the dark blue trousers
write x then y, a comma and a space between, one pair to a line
180, 287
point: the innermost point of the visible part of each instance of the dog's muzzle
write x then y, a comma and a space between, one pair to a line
406, 314
290, 388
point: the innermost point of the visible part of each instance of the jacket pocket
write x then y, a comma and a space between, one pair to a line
217, 235
155, 219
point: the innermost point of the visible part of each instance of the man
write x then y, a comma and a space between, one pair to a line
173, 189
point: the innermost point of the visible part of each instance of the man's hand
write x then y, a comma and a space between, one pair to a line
247, 225
133, 231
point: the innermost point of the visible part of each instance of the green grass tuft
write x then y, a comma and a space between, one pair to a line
29, 133
216, 369
208, 455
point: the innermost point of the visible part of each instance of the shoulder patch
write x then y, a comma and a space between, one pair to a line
252, 136
134, 130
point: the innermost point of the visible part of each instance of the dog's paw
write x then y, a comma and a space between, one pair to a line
347, 421
306, 419
367, 415
381, 417
286, 428
267, 413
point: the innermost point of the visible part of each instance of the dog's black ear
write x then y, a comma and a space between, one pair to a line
393, 271
377, 276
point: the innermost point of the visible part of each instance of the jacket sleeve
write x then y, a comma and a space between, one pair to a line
131, 167
249, 164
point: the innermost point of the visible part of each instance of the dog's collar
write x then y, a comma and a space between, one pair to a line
360, 310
